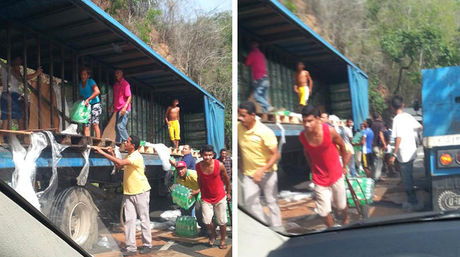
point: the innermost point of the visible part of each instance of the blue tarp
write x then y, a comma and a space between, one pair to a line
215, 116
359, 95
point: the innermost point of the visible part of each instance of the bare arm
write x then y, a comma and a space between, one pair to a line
296, 88
96, 92
128, 101
35, 74
167, 114
275, 155
118, 162
363, 140
224, 175
309, 82
382, 139
337, 139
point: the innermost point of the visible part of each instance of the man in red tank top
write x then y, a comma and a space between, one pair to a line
320, 143
214, 199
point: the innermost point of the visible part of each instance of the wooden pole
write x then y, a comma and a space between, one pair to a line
39, 84
62, 88
51, 74
24, 78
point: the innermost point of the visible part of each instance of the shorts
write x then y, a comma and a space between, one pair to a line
334, 194
304, 93
174, 130
17, 103
368, 160
96, 111
220, 208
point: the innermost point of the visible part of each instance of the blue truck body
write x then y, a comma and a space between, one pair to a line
441, 133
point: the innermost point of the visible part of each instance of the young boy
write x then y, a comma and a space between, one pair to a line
303, 84
172, 118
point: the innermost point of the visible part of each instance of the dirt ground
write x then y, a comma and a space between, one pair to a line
299, 216
165, 243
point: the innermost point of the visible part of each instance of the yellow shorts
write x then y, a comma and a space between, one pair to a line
174, 130
304, 93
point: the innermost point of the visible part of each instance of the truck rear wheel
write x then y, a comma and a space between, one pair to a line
75, 213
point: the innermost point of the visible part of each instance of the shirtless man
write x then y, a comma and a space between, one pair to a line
302, 80
172, 119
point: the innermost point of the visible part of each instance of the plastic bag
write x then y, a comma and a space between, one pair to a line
80, 112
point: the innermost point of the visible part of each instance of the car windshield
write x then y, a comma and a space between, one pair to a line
344, 120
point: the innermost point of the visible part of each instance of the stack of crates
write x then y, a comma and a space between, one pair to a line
186, 226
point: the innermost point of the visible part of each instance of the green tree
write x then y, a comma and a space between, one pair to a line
376, 101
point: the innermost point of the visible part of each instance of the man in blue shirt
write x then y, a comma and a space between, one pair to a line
366, 141
187, 158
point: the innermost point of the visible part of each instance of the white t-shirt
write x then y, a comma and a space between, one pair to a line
404, 126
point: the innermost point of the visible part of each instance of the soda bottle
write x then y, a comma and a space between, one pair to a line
187, 232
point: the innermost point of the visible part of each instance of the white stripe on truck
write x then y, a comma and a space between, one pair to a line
447, 140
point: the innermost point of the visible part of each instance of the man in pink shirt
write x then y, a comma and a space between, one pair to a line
121, 105
256, 60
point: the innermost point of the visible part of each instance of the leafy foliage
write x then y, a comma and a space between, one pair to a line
392, 41
199, 44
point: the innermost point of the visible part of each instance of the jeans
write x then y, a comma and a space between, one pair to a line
120, 127
351, 166
195, 211
378, 162
251, 194
260, 93
408, 180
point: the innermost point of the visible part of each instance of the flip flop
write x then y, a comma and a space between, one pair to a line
224, 246
211, 242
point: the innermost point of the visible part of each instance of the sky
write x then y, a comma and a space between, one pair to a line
213, 5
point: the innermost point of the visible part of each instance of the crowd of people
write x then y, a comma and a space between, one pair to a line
333, 149
208, 178
89, 92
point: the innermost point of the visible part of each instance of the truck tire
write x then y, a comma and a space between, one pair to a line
75, 213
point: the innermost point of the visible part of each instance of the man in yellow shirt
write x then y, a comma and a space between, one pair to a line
189, 179
258, 147
136, 196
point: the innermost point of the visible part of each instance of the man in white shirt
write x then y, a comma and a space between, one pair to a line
404, 129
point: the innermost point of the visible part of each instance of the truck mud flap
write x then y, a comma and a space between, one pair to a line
446, 193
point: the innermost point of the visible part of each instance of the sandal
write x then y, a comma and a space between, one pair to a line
223, 246
212, 241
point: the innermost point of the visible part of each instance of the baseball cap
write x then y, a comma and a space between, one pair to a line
181, 164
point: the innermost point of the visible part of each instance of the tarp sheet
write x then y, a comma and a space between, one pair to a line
359, 95
215, 116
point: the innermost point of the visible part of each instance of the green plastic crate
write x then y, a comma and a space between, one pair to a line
180, 196
186, 226
367, 186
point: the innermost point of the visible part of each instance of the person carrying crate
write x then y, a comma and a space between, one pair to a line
189, 178
319, 141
